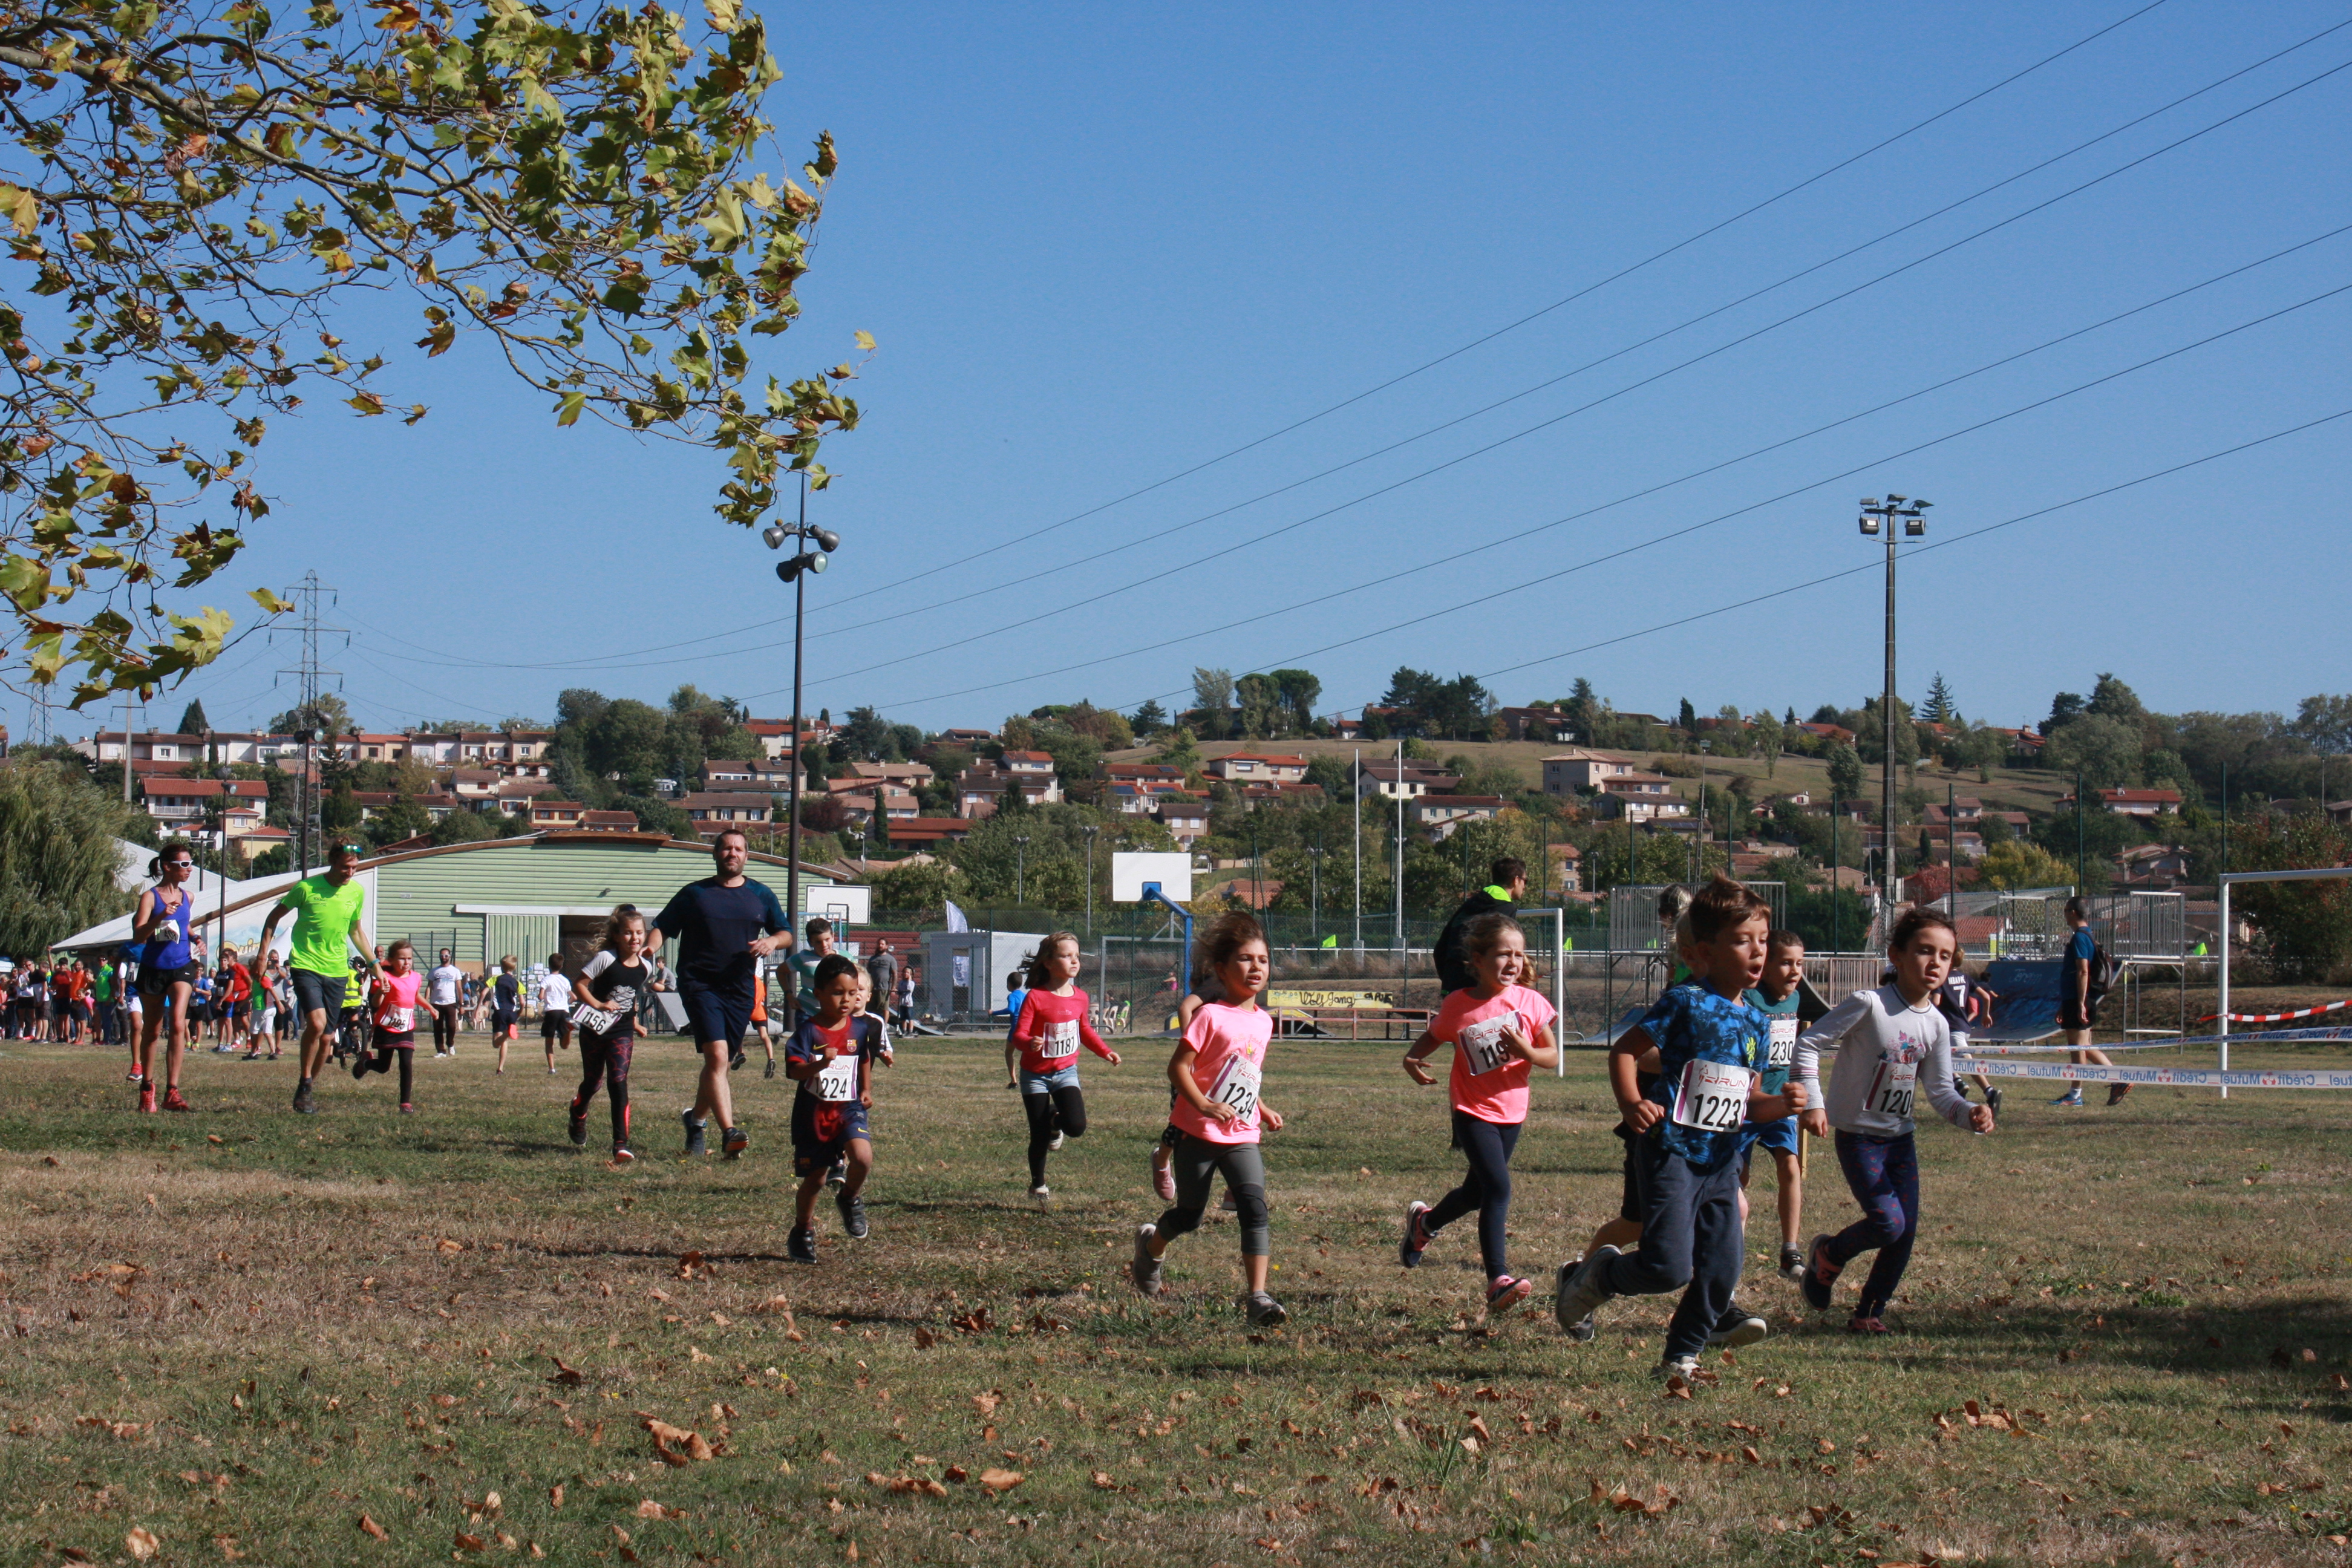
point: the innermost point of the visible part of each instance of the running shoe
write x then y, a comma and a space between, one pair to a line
1042, 1196
250, 1056
696, 1134
305, 1104
772, 1069
171, 1100
733, 1142
1505, 1293
147, 1098
1820, 1275
575, 1127
131, 1077
1578, 1291
1145, 1271
852, 1215
2071, 1097
1163, 1182
1054, 1144
1736, 1328
1671, 1367
2116, 1092
1416, 1235
800, 1246
1867, 1326
407, 1109
735, 1060
1992, 1099
623, 1155
839, 1173
360, 1066
1264, 1310
1793, 1264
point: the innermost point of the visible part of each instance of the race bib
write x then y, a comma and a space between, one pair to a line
1481, 1042
1237, 1085
1891, 1092
838, 1081
1060, 1040
1713, 1097
397, 1020
594, 1020
1784, 1042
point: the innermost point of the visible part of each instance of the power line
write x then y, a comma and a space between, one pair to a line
1480, 341
1262, 536
1488, 595
607, 660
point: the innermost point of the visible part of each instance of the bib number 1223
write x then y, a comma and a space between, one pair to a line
1713, 1097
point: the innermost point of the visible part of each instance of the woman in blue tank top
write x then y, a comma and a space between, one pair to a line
167, 971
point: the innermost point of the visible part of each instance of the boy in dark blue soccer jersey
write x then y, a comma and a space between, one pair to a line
831, 1057
1712, 1049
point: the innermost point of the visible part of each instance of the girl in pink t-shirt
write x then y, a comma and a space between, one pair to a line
391, 1006
1498, 1029
1217, 1071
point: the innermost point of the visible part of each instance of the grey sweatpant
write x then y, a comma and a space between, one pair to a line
1195, 1163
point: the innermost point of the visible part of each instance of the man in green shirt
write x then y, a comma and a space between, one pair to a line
327, 911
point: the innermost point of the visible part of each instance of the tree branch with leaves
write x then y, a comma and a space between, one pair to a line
192, 194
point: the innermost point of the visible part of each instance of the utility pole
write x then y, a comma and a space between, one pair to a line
2079, 884
1315, 897
1399, 870
1090, 830
1020, 867
1880, 517
128, 700
1356, 852
795, 570
313, 676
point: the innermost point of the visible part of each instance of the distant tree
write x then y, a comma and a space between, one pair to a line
2325, 723
1582, 710
2021, 865
1212, 701
1300, 691
2104, 750
58, 858
327, 716
827, 813
467, 827
192, 720
1771, 737
2303, 929
1790, 718
1686, 717
1177, 750
403, 818
867, 736
919, 887
1260, 703
1940, 709
1845, 772
1149, 720
2115, 700
2065, 708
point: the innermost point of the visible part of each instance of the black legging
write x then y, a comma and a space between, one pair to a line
1487, 1146
1063, 1112
407, 1055
606, 1059
444, 1025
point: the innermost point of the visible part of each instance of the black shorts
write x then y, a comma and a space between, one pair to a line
717, 1015
153, 982
2073, 1013
552, 1024
317, 992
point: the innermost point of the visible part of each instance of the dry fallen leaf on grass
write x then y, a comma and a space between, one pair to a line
998, 1480
141, 1542
370, 1527
986, 1403
464, 1542
445, 1244
555, 1495
648, 1509
445, 1401
923, 1484
675, 1445
688, 1263
924, 1337
568, 1376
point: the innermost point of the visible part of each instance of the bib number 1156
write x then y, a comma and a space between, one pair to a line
1713, 1097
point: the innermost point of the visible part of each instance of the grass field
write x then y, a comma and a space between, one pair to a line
242, 1335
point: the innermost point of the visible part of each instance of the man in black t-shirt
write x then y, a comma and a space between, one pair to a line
1454, 970
725, 925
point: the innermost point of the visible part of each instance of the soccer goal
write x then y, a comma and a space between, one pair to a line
2230, 879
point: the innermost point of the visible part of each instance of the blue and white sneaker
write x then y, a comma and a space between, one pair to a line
1578, 1292
2071, 1097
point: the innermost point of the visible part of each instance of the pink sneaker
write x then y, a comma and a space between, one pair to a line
1163, 1182
1505, 1293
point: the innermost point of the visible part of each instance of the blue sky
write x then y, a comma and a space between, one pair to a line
1102, 244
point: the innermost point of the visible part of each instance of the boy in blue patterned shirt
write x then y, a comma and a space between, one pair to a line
1711, 1052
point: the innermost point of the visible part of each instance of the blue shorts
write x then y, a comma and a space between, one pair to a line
1047, 1082
1779, 1136
823, 1130
720, 1016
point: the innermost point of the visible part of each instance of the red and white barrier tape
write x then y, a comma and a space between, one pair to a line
2279, 1018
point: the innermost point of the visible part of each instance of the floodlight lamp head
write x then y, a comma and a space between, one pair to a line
774, 535
1921, 505
1894, 500
816, 560
826, 539
1913, 529
1869, 500
1869, 525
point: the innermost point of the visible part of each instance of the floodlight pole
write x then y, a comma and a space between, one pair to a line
1355, 850
1399, 870
1152, 895
1881, 518
1090, 831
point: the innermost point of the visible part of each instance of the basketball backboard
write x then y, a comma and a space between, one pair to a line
1129, 869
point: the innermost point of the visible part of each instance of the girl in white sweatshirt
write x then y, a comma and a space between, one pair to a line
1893, 1043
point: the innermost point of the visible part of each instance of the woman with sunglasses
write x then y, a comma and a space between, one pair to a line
168, 972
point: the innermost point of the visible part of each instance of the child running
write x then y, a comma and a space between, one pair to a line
831, 1057
1890, 1042
392, 1009
611, 983
1218, 1069
1711, 1049
1052, 1025
1499, 1028
554, 1009
506, 1006
1777, 998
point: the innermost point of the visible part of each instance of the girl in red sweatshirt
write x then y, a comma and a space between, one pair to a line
1052, 1026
